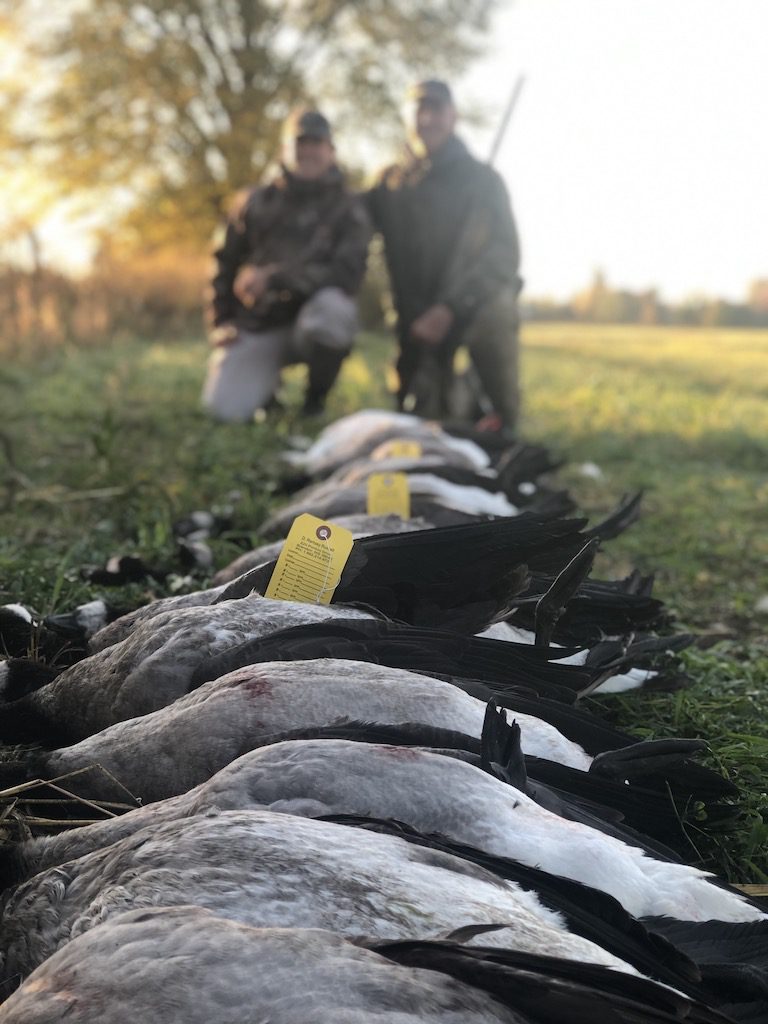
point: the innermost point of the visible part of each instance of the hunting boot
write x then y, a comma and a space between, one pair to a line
324, 365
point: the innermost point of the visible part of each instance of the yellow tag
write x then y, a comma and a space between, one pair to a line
389, 494
311, 563
399, 448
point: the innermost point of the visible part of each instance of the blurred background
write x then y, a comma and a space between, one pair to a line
636, 155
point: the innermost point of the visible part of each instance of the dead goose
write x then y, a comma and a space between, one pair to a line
431, 793
55, 639
100, 625
451, 508
166, 752
276, 870
587, 916
520, 678
497, 751
147, 670
138, 964
22, 634
442, 795
362, 432
461, 578
577, 796
358, 525
228, 790
455, 568
515, 465
347, 488
437, 464
175, 749
185, 965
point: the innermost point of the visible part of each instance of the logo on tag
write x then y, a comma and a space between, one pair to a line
311, 563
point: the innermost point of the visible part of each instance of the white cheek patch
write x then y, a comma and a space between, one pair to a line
91, 617
20, 610
631, 680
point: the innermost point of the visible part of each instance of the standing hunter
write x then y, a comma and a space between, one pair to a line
291, 262
453, 257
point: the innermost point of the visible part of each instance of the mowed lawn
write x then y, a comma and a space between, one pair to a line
102, 448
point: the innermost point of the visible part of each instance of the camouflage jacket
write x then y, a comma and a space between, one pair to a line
448, 231
317, 232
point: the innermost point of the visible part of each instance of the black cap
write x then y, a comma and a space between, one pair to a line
431, 89
310, 124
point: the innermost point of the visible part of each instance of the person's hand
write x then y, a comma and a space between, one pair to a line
223, 335
433, 325
251, 283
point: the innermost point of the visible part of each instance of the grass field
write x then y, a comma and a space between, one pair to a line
102, 449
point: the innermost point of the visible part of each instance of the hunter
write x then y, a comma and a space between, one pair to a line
291, 261
453, 256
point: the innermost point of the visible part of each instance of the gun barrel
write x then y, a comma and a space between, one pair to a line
514, 96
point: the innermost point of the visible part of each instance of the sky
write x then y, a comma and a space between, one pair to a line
639, 143
638, 146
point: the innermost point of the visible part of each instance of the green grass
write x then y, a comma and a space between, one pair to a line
683, 414
103, 448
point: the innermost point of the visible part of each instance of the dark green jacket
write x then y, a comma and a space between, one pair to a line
317, 231
449, 233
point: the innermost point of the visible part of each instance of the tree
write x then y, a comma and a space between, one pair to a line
176, 104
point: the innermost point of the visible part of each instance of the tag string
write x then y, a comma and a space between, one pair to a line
325, 588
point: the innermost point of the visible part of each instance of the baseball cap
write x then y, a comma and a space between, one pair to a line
311, 124
431, 89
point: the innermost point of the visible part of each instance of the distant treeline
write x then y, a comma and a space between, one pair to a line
162, 295
600, 303
158, 295
155, 294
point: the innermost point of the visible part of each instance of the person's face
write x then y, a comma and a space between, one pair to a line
312, 157
434, 122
